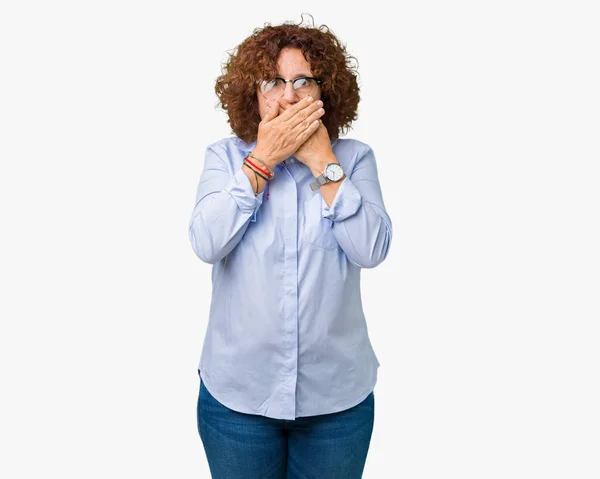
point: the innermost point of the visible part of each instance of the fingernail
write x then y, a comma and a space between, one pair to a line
309, 99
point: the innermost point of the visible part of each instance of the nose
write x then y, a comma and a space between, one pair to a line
289, 93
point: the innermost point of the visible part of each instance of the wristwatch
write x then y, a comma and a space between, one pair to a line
332, 172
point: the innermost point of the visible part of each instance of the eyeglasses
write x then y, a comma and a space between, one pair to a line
303, 86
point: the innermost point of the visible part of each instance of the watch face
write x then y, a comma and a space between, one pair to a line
334, 172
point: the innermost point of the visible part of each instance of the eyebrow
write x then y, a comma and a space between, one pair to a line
299, 75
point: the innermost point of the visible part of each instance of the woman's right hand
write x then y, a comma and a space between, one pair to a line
279, 136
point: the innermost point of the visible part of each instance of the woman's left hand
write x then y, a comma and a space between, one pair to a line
317, 147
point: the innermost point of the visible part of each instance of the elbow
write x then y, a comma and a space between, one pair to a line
371, 264
202, 244
372, 261
378, 252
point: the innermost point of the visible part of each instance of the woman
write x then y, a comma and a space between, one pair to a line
288, 214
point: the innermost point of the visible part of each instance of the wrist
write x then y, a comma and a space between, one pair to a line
267, 159
318, 168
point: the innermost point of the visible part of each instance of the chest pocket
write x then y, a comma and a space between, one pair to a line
318, 231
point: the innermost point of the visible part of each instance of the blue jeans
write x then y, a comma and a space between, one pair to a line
250, 446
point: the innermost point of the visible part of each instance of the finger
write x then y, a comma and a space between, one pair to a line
304, 124
283, 105
272, 110
305, 134
296, 107
303, 115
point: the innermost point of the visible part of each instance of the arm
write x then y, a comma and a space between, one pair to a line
225, 205
361, 224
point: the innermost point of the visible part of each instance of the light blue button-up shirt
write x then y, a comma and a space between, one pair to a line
286, 334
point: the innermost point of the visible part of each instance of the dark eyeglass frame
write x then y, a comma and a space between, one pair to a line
319, 81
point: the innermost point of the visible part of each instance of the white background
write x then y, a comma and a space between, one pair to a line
484, 117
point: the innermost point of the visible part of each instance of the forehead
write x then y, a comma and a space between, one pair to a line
292, 64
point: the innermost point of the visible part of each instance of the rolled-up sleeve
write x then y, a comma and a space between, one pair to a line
360, 221
225, 204
347, 201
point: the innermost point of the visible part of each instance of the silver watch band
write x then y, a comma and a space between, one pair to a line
318, 182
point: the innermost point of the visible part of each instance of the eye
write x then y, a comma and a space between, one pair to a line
270, 84
301, 82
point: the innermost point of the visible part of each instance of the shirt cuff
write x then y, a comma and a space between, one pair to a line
240, 188
346, 202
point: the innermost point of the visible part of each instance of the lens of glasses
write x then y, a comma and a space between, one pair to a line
302, 86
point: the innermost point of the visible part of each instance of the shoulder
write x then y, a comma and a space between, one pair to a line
349, 151
350, 146
228, 143
230, 150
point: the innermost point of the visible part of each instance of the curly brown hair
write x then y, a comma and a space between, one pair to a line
255, 59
